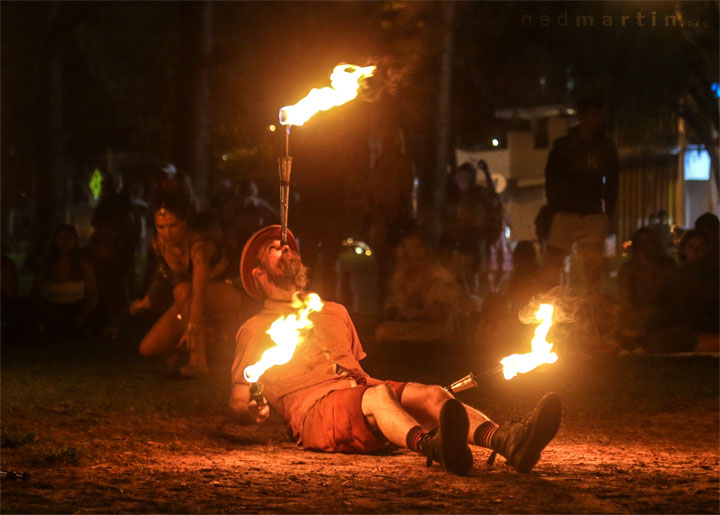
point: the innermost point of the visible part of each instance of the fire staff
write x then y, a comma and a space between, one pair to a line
331, 404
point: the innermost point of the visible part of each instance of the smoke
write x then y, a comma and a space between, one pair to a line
567, 308
390, 74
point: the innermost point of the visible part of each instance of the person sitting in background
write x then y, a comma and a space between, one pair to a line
114, 215
472, 224
426, 302
64, 289
687, 305
658, 222
709, 224
112, 305
191, 259
693, 247
709, 341
639, 281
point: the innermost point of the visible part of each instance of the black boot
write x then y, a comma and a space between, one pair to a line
447, 444
521, 441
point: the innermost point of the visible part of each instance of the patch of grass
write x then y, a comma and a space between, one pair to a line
63, 455
11, 439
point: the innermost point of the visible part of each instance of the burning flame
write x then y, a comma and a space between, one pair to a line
345, 80
540, 355
285, 332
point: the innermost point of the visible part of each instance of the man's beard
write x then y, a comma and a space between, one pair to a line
291, 274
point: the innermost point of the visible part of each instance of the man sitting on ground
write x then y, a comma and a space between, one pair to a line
333, 405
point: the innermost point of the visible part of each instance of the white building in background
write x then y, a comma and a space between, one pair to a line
653, 177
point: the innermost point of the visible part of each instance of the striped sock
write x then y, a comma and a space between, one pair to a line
412, 440
484, 433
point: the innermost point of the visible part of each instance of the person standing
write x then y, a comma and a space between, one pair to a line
581, 185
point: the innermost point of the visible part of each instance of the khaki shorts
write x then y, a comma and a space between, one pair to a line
588, 231
337, 424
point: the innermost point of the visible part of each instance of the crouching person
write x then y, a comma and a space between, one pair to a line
331, 404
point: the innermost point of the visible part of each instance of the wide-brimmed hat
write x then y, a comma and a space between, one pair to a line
250, 252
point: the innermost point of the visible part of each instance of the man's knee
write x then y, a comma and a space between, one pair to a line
438, 394
381, 393
422, 394
432, 394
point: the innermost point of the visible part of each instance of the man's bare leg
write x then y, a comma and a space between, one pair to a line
446, 444
384, 412
425, 401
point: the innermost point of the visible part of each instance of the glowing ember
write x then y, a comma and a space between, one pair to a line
285, 332
541, 348
345, 80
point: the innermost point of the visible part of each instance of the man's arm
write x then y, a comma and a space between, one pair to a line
555, 169
244, 410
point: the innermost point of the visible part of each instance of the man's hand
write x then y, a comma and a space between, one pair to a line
258, 413
243, 409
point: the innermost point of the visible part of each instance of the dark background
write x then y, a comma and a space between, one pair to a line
191, 82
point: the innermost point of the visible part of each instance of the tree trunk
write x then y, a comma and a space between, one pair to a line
51, 183
436, 180
201, 161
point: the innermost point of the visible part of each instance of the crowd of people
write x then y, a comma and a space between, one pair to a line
667, 306
188, 299
458, 290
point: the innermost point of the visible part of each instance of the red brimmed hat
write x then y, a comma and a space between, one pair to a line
250, 252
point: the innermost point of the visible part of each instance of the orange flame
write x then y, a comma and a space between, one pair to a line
345, 80
541, 348
285, 332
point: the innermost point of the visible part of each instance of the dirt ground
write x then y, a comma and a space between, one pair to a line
101, 434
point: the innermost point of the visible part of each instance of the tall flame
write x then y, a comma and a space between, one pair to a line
285, 332
541, 348
345, 80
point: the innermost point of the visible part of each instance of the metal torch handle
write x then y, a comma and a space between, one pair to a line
284, 168
256, 394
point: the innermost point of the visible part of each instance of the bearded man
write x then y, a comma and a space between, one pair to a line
331, 404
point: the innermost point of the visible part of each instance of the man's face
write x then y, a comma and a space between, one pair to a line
282, 266
170, 228
592, 121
